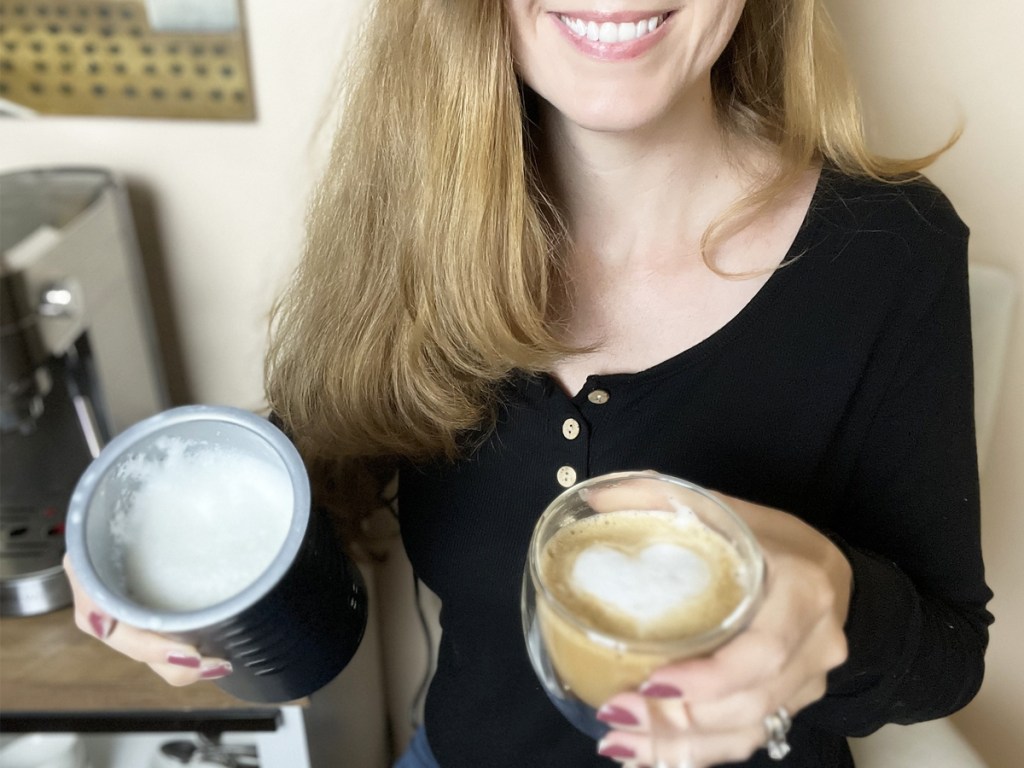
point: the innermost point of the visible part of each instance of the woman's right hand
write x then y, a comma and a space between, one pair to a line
176, 662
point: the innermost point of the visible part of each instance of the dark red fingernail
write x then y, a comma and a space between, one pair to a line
616, 751
613, 715
660, 691
184, 660
216, 671
101, 625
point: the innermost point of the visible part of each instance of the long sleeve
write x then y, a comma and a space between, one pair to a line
917, 627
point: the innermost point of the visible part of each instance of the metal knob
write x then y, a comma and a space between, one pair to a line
61, 298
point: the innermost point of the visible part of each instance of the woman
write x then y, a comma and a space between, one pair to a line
662, 223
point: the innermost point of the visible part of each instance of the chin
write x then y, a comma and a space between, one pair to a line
609, 114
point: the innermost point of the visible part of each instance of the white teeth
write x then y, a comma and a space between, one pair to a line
610, 32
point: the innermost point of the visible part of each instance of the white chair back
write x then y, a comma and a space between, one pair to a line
993, 296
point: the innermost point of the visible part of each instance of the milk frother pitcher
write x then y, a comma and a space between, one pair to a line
289, 631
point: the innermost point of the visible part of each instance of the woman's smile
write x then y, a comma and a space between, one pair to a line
616, 67
612, 36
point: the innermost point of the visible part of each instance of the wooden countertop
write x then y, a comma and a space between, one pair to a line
48, 666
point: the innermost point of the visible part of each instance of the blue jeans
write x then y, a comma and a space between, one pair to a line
418, 754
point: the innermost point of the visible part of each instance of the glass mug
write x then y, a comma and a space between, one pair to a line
625, 573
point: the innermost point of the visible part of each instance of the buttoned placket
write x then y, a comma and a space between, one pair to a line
574, 432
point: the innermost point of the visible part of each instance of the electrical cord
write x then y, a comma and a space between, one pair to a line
390, 498
421, 691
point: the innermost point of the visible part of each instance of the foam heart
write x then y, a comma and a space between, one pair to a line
645, 586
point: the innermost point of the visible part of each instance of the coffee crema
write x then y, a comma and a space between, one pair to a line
645, 579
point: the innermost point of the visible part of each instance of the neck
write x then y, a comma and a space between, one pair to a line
645, 194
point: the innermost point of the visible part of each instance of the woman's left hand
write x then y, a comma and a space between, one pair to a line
710, 710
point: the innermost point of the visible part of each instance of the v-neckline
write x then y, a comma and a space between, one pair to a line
734, 325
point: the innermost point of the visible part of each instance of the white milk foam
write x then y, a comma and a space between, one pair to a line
646, 573
646, 587
203, 522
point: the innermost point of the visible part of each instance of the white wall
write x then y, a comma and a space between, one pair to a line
228, 198
923, 65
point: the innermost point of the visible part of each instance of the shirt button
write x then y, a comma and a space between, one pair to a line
566, 476
598, 397
570, 429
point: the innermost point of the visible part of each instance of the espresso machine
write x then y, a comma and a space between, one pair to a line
79, 360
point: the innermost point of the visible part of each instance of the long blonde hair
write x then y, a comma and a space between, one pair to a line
782, 81
433, 265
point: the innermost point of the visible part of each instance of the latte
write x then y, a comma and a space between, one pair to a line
624, 592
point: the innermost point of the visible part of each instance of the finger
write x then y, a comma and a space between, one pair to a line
691, 749
178, 676
631, 493
644, 491
627, 711
88, 616
634, 712
649, 722
177, 663
151, 648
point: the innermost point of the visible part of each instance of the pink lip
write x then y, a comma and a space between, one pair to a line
619, 17
631, 49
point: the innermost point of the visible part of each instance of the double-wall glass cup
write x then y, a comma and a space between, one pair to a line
628, 572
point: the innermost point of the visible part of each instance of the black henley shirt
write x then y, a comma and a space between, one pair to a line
842, 393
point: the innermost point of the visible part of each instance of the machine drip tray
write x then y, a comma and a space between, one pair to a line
39, 470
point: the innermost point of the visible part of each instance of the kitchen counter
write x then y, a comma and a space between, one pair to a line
56, 679
48, 665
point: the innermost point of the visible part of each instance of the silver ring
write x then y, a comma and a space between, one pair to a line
777, 725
